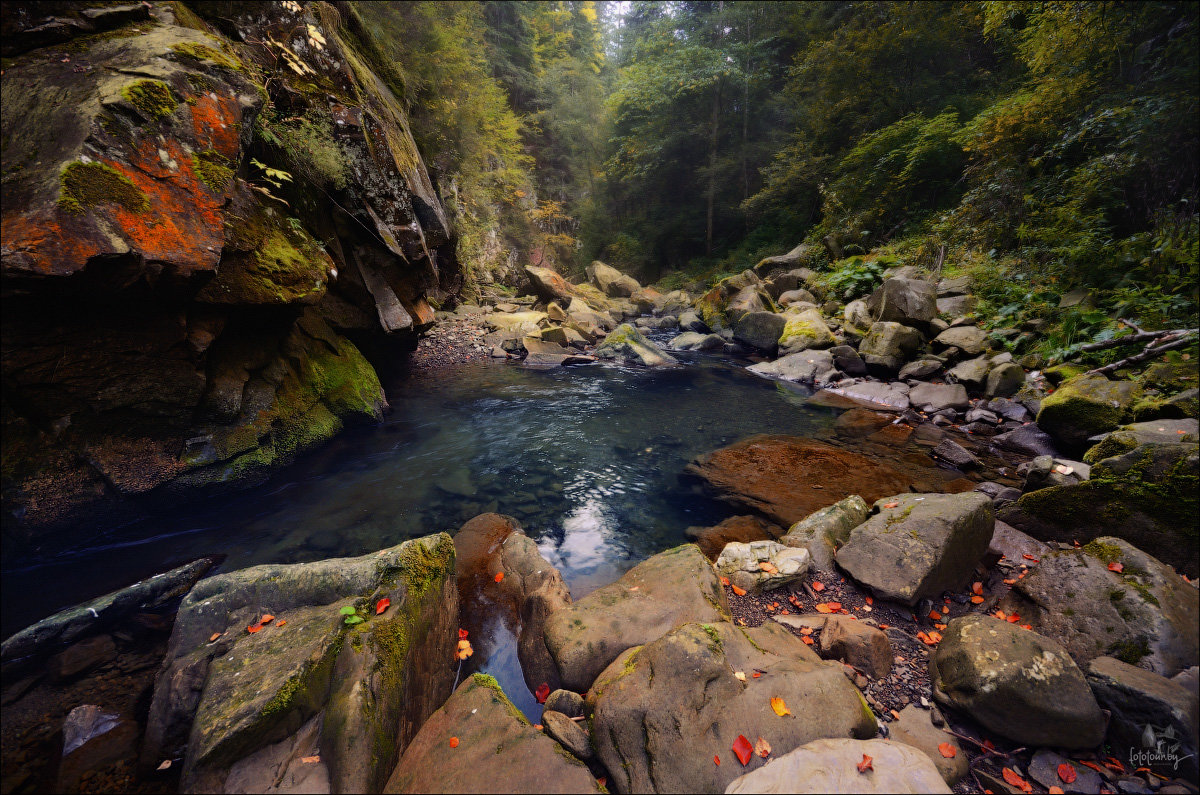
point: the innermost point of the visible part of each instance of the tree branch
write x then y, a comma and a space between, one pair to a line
1149, 352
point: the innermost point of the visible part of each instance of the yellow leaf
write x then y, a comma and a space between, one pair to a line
779, 706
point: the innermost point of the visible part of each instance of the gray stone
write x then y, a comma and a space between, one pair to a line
955, 454
864, 394
1085, 406
1004, 380
857, 318
953, 306
1138, 699
1016, 683
914, 727
751, 298
628, 345
823, 532
887, 346
694, 341
649, 744
567, 702
496, 751
1012, 545
93, 738
846, 359
611, 281
831, 766
673, 587
924, 545
972, 373
809, 367
794, 296
742, 563
1128, 437
959, 285
905, 301
760, 330
971, 340
921, 368
1009, 409
1043, 769
982, 415
935, 397
568, 733
857, 643
1029, 440
690, 321
803, 331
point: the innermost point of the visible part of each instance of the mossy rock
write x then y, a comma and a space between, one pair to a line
1063, 372
153, 99
1172, 377
803, 331
85, 185
1084, 406
1129, 437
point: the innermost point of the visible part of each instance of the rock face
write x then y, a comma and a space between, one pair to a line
672, 587
762, 565
496, 750
1130, 437
649, 744
1137, 699
611, 281
367, 685
920, 546
627, 344
774, 475
181, 328
1016, 683
1084, 406
832, 766
1144, 614
528, 593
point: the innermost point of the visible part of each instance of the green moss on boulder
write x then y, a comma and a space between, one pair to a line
85, 185
152, 98
1085, 406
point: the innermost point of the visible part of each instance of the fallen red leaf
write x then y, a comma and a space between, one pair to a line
756, 674
865, 764
215, 635
806, 630
869, 600
1117, 567
823, 607
780, 706
947, 750
1013, 779
818, 586
807, 640
1027, 626
462, 634
725, 581
499, 576
935, 615
1030, 557
977, 589
762, 748
717, 760
835, 605
382, 604
542, 693
253, 628
738, 591
1013, 618
267, 619
885, 626
743, 749
602, 781
1000, 615
453, 742
891, 505
1092, 765
1066, 773
976, 600
281, 622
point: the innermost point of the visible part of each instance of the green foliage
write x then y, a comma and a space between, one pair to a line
212, 169
307, 144
856, 276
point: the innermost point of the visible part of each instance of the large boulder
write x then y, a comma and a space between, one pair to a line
743, 529
479, 742
628, 345
831, 766
225, 692
694, 341
887, 346
529, 591
611, 281
1137, 700
650, 744
855, 643
1143, 613
935, 397
1128, 437
762, 565
760, 330
972, 373
1016, 683
856, 319
1148, 496
548, 285
971, 340
822, 532
805, 330
1004, 379
789, 260
908, 301
919, 546
774, 475
806, 367
659, 593
713, 305
519, 323
1084, 406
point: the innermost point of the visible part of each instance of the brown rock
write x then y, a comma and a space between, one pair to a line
861, 645
83, 656
778, 476
743, 529
915, 728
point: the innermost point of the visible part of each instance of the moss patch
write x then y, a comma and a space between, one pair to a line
86, 185
212, 169
201, 52
153, 98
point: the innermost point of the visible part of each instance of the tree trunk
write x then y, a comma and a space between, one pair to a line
712, 167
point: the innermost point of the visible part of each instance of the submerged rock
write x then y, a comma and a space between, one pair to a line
919, 545
225, 693
659, 593
1016, 683
649, 744
831, 766
776, 475
479, 742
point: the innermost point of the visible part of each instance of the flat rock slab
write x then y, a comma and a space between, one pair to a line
495, 749
776, 475
1016, 683
868, 395
664, 710
832, 766
653, 597
915, 728
919, 545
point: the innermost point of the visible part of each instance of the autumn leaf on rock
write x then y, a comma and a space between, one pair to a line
542, 693
1066, 773
462, 634
381, 605
1056, 790
743, 749
738, 591
865, 764
267, 619
1011, 777
976, 600
947, 750
725, 581
499, 576
935, 615
818, 586
891, 505
977, 589
281, 622
310, 760
464, 649
780, 706
253, 628
1117, 567
762, 748
717, 760
807, 640
453, 742
214, 636
768, 567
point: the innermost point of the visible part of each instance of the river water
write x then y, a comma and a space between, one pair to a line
587, 458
